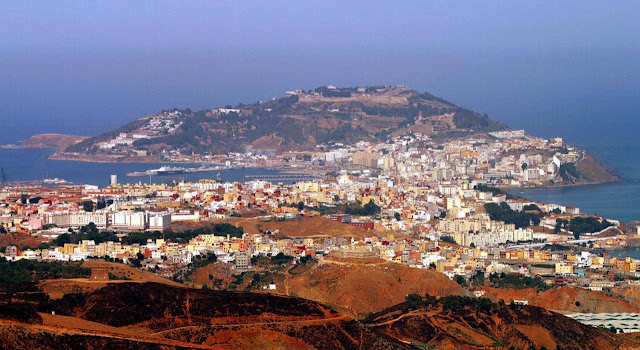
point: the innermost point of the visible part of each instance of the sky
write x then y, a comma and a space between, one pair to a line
566, 67
284, 24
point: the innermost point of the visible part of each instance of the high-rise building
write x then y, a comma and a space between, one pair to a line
114, 179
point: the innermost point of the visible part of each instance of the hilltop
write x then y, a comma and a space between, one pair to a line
298, 121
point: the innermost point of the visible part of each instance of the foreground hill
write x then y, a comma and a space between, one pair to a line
129, 315
152, 315
470, 323
298, 121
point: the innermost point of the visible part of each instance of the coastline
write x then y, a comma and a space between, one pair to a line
148, 160
559, 185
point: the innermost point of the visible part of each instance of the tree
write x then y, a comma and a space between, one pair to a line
447, 239
371, 208
397, 216
524, 166
23, 198
300, 205
478, 278
531, 207
460, 280
87, 206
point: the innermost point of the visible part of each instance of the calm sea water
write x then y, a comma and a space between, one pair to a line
32, 164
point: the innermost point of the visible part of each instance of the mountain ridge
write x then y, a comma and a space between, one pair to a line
297, 121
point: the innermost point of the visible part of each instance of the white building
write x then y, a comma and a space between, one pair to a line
159, 221
128, 220
67, 219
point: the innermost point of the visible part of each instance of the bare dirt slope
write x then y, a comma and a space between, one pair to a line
563, 299
135, 275
302, 227
359, 289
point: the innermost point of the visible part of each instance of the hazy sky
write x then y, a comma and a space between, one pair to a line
553, 67
383, 24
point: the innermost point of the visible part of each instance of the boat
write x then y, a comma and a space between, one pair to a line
55, 181
166, 170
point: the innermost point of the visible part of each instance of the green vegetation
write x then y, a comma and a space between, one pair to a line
368, 209
504, 213
466, 119
544, 266
555, 247
478, 278
504, 280
569, 172
354, 208
416, 301
581, 225
531, 207
447, 239
455, 303
493, 190
29, 270
280, 258
203, 260
238, 280
87, 205
449, 303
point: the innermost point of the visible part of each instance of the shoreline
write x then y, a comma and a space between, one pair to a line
507, 188
300, 171
147, 160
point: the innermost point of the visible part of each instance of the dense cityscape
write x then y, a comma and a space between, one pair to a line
425, 206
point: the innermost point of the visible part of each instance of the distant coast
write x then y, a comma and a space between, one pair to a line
47, 141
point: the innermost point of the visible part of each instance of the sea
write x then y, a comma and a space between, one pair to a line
32, 164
